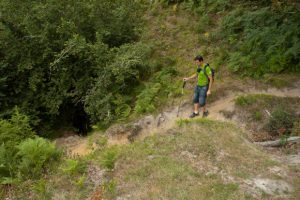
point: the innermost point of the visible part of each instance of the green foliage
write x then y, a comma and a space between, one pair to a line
146, 100
224, 191
80, 182
12, 132
204, 22
245, 100
108, 100
296, 128
54, 53
257, 116
109, 158
161, 87
262, 40
280, 122
9, 181
40, 188
15, 130
122, 108
259, 37
73, 167
34, 155
283, 140
110, 188
21, 154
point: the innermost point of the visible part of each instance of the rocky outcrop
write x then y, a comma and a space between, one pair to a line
125, 130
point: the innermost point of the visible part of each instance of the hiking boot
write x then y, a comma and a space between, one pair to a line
194, 115
205, 114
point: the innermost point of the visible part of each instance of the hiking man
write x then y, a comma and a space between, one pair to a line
203, 87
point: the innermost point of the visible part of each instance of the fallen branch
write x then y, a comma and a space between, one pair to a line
278, 143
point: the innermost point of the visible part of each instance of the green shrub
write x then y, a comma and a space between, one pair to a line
204, 23
146, 99
296, 128
257, 115
110, 189
110, 97
280, 122
73, 167
109, 158
12, 132
161, 86
41, 188
262, 40
245, 100
34, 155
80, 182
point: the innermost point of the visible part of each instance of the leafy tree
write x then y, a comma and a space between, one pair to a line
52, 52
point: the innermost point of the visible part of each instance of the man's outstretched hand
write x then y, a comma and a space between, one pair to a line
208, 92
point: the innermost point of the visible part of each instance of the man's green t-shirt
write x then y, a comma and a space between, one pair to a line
202, 79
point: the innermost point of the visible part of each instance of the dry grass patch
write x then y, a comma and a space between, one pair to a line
201, 159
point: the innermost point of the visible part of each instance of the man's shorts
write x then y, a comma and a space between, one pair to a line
200, 94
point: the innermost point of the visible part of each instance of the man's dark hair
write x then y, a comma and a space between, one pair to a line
200, 58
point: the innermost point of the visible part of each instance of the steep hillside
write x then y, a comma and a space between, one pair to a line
144, 146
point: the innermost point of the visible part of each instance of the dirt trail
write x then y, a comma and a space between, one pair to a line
226, 103
167, 119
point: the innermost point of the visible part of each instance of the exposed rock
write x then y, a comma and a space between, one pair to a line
146, 121
293, 159
278, 171
272, 187
126, 197
188, 155
128, 130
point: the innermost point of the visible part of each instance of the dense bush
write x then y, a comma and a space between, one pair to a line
160, 87
255, 37
109, 158
34, 155
53, 52
73, 167
280, 122
296, 128
108, 99
265, 40
21, 154
12, 132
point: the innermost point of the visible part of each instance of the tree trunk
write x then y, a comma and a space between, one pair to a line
278, 143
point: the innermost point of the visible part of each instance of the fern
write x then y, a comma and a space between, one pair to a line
146, 99
73, 167
122, 109
34, 155
109, 158
261, 40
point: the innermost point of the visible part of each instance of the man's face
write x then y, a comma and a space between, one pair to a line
198, 62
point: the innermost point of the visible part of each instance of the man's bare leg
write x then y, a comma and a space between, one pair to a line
196, 107
203, 108
205, 112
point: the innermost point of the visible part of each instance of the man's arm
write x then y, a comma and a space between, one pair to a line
210, 85
191, 77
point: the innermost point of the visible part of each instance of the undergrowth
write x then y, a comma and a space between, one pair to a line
276, 115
